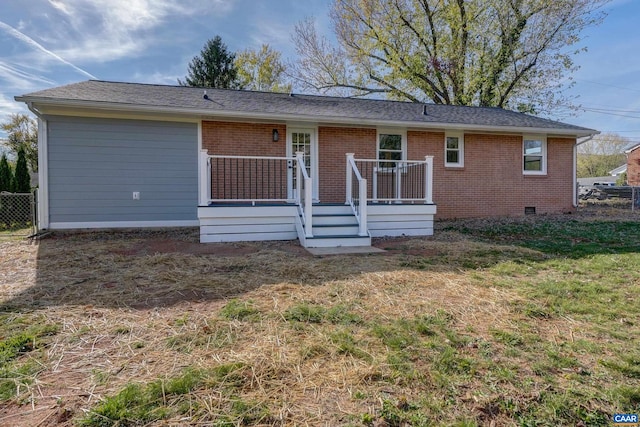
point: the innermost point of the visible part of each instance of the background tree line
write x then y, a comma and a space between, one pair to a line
216, 67
601, 155
514, 54
22, 143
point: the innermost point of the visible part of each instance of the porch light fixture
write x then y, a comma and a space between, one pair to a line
276, 135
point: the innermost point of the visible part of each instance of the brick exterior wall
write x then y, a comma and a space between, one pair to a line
255, 180
243, 139
333, 144
491, 183
633, 168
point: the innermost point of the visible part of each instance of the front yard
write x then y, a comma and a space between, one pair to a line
528, 322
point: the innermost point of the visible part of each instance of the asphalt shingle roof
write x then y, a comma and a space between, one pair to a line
265, 104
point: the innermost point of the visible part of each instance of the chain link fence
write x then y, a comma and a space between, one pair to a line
620, 196
17, 214
635, 198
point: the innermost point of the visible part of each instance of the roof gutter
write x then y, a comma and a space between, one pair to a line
43, 169
575, 167
205, 113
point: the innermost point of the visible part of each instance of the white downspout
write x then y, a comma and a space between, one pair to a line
43, 170
575, 169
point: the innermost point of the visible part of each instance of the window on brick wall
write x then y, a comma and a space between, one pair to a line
534, 155
392, 146
454, 149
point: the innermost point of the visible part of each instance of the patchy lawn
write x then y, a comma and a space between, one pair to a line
529, 322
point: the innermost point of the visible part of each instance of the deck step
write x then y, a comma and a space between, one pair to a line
336, 229
334, 226
336, 209
326, 219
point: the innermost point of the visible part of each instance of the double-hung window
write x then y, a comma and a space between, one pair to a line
391, 147
534, 155
454, 149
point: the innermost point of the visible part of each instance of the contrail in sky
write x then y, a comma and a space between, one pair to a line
23, 37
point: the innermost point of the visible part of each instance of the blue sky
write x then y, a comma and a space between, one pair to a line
46, 43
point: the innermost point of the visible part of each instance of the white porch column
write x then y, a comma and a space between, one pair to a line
347, 192
204, 178
428, 184
362, 204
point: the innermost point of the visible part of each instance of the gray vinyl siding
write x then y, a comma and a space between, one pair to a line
95, 165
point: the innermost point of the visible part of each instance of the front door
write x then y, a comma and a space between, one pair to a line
304, 141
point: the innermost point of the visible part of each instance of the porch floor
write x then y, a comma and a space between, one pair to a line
244, 204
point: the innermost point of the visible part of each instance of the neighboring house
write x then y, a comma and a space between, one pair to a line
610, 179
596, 180
633, 166
622, 169
261, 166
619, 171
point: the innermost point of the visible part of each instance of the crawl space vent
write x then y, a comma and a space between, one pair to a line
529, 210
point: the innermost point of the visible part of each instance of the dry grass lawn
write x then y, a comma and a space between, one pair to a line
469, 327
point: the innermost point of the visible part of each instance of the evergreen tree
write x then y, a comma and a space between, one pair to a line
22, 131
21, 177
214, 67
6, 175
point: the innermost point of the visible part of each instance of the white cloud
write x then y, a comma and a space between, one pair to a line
35, 45
46, 43
99, 31
20, 78
266, 33
157, 78
60, 6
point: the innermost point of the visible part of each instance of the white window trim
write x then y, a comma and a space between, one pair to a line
392, 131
460, 162
532, 137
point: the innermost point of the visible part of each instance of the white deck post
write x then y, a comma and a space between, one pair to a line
347, 192
374, 190
308, 214
428, 184
308, 195
398, 182
362, 203
299, 160
204, 174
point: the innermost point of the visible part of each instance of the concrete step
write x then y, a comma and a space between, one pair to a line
336, 241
